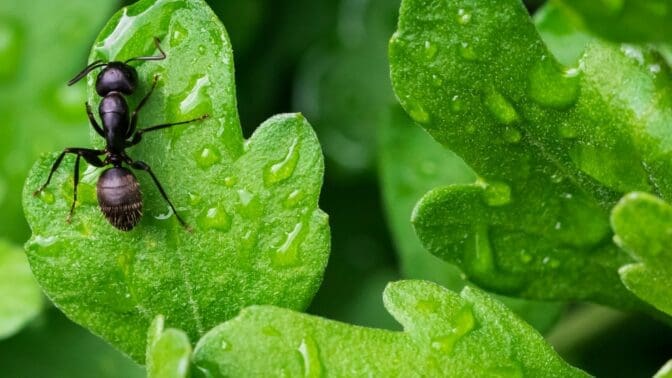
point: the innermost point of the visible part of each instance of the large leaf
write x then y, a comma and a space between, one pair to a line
554, 147
168, 351
643, 227
445, 334
41, 47
258, 236
20, 296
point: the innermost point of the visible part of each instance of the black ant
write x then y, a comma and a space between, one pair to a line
118, 190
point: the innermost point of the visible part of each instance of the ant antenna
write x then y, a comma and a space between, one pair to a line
85, 71
155, 57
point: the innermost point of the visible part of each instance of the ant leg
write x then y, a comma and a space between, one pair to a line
92, 158
59, 159
137, 137
93, 121
134, 116
162, 56
144, 167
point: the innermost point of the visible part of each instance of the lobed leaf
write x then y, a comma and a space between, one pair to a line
554, 147
411, 163
643, 227
20, 296
259, 237
445, 334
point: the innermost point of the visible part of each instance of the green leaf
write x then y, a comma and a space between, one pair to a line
411, 163
258, 236
344, 108
643, 227
20, 296
445, 334
665, 371
168, 351
42, 47
554, 147
626, 20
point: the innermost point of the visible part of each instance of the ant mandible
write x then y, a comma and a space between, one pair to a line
118, 190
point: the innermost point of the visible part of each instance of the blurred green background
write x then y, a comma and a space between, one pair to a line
328, 60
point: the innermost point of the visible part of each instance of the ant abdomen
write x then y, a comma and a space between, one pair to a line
119, 198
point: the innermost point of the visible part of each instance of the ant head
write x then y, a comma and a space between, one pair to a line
116, 77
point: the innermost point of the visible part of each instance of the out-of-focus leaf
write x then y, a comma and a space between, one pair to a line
626, 20
563, 32
554, 147
445, 334
643, 227
168, 351
54, 347
41, 46
20, 296
344, 107
665, 371
258, 236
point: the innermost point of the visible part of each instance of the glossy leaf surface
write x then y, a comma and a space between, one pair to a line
258, 236
168, 351
554, 147
445, 334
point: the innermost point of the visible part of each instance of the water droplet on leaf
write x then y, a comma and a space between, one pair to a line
312, 366
463, 17
461, 323
178, 34
430, 50
293, 199
215, 218
554, 86
500, 107
207, 157
283, 169
418, 113
288, 253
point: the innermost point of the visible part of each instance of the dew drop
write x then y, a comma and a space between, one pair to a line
44, 245
215, 218
467, 51
461, 323
250, 206
552, 85
207, 156
47, 196
496, 193
283, 169
509, 371
525, 257
430, 50
512, 135
418, 113
202, 50
456, 104
197, 102
288, 253
293, 199
567, 131
249, 240
463, 17
557, 178
11, 46
225, 345
482, 260
194, 199
178, 34
312, 366
230, 181
500, 107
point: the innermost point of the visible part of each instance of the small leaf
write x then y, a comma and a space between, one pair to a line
258, 236
20, 296
554, 147
411, 163
665, 371
445, 334
168, 351
643, 227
